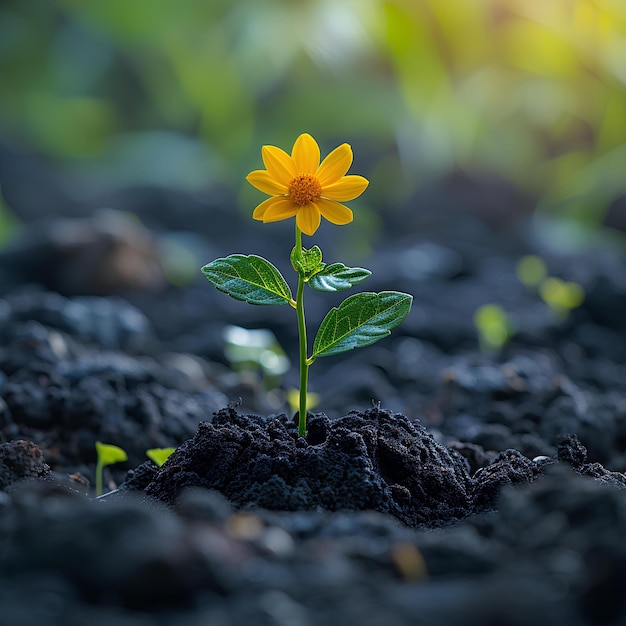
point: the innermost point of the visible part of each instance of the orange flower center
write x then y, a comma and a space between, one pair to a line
304, 188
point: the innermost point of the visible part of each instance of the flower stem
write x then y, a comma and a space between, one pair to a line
304, 363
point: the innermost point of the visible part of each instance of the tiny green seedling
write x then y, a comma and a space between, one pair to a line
107, 454
560, 295
300, 186
493, 326
531, 271
159, 455
256, 351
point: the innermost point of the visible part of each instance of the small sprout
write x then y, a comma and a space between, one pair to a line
408, 560
561, 296
159, 455
107, 454
531, 271
300, 186
493, 326
256, 348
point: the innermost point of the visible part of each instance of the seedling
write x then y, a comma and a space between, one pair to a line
256, 350
531, 271
107, 455
159, 455
493, 326
299, 186
560, 295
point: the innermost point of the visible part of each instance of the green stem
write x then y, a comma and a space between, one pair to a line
304, 363
99, 472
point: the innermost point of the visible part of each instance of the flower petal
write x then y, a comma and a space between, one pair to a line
306, 154
259, 212
334, 212
265, 182
308, 218
335, 165
279, 164
281, 209
348, 188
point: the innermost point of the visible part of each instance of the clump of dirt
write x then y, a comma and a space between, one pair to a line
374, 460
21, 460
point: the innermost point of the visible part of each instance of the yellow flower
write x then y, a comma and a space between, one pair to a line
303, 188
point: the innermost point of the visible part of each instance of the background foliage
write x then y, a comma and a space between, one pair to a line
184, 93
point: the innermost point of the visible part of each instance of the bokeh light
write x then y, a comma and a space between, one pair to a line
182, 94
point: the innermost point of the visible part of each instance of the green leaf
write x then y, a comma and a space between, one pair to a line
159, 455
248, 278
308, 263
109, 454
337, 277
360, 320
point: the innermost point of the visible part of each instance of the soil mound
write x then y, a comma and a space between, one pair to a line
372, 460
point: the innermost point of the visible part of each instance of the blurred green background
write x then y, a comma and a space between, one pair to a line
184, 93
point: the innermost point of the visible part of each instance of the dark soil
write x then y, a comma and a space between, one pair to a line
442, 485
372, 460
